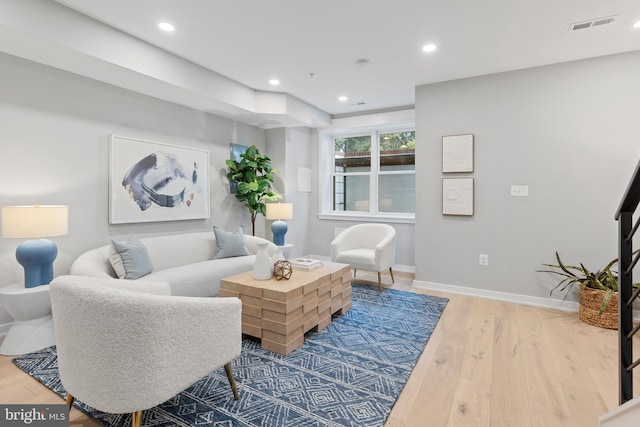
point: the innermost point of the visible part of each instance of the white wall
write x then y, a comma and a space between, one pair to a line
54, 131
289, 150
571, 132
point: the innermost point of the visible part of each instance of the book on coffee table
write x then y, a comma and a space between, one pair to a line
305, 263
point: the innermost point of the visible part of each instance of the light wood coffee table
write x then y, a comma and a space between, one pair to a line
280, 312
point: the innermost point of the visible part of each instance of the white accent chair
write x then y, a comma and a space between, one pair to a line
370, 247
124, 347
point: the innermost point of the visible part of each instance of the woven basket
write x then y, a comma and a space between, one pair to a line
589, 308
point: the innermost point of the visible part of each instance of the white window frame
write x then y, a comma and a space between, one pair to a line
359, 127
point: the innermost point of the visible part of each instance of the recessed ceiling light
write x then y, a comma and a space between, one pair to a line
343, 98
274, 82
429, 47
636, 25
165, 26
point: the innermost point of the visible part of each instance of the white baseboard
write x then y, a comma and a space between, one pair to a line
404, 268
570, 306
625, 415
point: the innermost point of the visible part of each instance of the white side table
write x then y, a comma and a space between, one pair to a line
286, 249
32, 328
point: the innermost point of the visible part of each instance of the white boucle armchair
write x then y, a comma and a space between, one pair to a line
370, 247
124, 347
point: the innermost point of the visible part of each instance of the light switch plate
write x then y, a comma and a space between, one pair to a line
520, 190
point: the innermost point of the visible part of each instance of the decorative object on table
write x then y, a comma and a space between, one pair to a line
598, 293
279, 212
457, 153
34, 222
282, 270
254, 175
149, 181
305, 263
457, 196
263, 268
404, 320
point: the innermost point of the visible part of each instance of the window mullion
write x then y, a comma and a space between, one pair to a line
375, 169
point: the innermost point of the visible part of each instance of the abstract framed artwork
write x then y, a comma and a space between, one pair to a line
150, 181
457, 196
235, 151
457, 153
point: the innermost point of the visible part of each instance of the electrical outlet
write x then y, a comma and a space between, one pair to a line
484, 259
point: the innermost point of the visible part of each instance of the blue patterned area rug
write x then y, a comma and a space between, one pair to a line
349, 374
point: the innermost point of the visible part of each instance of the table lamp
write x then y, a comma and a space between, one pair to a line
33, 222
279, 212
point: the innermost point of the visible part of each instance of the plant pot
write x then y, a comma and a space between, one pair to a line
590, 301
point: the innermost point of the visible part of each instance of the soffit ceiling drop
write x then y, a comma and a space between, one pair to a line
313, 50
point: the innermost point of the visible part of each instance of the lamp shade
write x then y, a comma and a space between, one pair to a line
33, 222
279, 211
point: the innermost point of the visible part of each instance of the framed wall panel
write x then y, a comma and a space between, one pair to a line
457, 196
457, 153
150, 181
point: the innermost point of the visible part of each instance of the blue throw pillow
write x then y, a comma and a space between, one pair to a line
134, 258
230, 243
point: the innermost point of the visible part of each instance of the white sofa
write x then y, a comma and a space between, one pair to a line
184, 261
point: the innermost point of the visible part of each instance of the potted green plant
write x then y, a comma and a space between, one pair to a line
254, 175
598, 293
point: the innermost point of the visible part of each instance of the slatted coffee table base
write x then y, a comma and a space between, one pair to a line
281, 312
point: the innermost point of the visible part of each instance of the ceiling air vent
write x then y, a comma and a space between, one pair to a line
602, 21
591, 23
581, 26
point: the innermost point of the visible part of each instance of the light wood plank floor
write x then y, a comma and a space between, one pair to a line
488, 363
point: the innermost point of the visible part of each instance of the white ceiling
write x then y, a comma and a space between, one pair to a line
312, 47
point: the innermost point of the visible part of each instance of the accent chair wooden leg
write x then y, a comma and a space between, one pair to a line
232, 381
379, 281
70, 400
392, 279
355, 271
136, 419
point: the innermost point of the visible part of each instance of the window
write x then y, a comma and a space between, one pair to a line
374, 173
396, 178
352, 173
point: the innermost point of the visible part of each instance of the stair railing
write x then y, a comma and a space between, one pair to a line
626, 295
